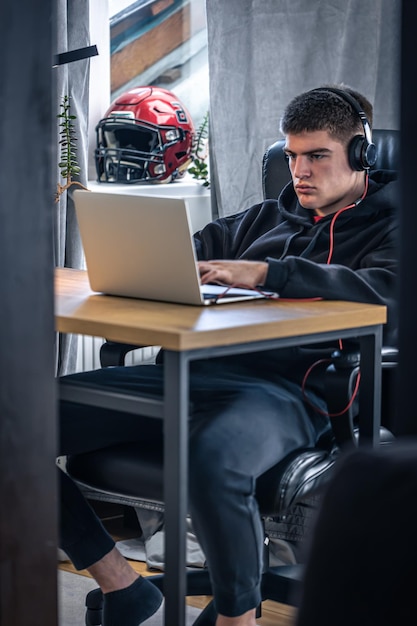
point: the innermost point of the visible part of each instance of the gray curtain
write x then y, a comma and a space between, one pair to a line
72, 32
264, 52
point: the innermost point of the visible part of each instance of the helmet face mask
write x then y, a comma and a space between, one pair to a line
146, 135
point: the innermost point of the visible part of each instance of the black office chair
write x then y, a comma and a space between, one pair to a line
132, 474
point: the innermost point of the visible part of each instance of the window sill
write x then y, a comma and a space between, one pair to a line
198, 196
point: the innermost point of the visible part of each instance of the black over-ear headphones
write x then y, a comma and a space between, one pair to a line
362, 152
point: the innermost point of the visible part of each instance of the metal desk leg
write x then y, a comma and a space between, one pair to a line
370, 396
176, 394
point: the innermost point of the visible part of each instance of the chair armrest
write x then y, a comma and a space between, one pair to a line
340, 380
113, 353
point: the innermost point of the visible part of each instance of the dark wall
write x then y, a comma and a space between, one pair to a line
27, 392
406, 410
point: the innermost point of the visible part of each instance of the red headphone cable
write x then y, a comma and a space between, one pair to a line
329, 258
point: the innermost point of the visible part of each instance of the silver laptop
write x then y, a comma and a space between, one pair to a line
142, 247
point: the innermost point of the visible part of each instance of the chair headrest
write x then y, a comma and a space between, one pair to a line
275, 172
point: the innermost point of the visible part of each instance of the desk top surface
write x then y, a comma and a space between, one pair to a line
178, 327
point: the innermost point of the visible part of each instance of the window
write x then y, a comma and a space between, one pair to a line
161, 43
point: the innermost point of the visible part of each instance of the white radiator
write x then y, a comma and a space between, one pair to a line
88, 354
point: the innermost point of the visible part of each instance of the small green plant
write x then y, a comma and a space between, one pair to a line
68, 158
199, 167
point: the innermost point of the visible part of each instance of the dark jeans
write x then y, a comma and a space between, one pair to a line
240, 426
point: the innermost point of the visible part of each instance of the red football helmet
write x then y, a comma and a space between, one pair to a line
146, 134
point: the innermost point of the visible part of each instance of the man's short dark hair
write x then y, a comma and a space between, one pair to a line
319, 109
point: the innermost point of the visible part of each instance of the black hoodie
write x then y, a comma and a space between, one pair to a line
364, 261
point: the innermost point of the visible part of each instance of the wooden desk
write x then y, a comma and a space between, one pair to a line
189, 333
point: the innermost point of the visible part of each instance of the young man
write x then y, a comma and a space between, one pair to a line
331, 234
